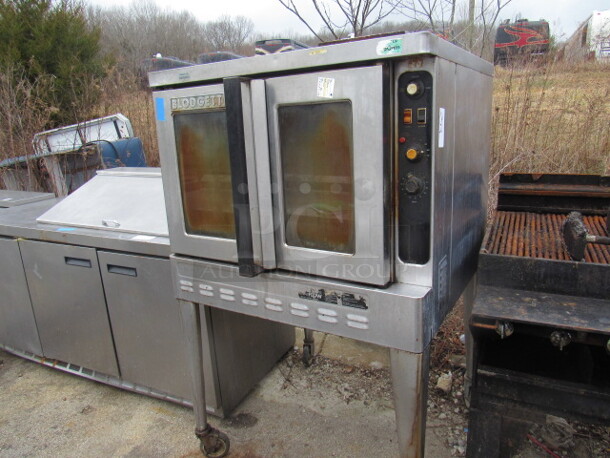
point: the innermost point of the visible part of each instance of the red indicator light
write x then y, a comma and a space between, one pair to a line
402, 140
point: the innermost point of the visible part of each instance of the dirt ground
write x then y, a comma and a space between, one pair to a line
329, 409
341, 406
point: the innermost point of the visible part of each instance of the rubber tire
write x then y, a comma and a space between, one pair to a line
222, 451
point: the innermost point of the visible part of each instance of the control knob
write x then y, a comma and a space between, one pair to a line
411, 184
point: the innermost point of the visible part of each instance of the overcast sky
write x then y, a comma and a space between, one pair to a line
271, 18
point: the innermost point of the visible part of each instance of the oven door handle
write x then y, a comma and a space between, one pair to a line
238, 112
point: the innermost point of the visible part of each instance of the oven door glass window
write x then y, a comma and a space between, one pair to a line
205, 174
317, 175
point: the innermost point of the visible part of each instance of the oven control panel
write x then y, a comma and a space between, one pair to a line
414, 143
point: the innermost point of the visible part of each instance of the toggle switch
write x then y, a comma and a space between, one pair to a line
421, 116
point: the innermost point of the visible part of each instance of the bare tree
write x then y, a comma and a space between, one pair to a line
488, 15
448, 17
142, 29
436, 15
339, 16
228, 33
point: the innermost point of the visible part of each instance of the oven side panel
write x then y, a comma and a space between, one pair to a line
447, 153
466, 130
471, 175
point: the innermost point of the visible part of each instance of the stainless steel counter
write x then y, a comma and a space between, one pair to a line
20, 222
98, 301
9, 198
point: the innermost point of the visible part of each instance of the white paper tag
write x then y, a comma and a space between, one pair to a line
441, 127
142, 238
326, 87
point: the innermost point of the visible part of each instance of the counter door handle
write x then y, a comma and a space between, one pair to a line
79, 262
120, 270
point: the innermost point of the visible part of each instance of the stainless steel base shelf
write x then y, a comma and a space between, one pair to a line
98, 377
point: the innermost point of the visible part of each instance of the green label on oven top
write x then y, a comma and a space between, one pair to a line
389, 47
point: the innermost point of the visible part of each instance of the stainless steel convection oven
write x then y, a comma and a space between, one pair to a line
340, 188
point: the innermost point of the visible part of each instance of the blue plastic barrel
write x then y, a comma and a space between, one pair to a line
126, 152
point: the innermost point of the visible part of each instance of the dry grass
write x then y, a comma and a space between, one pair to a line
551, 119
22, 114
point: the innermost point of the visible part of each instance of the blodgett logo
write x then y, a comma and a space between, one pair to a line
199, 102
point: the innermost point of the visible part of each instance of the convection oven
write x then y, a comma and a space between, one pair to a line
340, 188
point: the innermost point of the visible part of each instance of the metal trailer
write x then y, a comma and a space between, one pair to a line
591, 40
521, 40
540, 319
66, 157
96, 268
382, 143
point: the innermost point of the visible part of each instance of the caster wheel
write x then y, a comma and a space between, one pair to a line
215, 445
307, 356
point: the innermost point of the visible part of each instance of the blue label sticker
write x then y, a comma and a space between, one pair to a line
160, 108
65, 229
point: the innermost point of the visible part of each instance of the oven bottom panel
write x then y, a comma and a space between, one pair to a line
390, 317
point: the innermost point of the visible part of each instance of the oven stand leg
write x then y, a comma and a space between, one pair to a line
468, 297
212, 442
308, 347
410, 386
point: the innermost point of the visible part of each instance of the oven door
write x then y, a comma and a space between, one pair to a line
322, 172
192, 131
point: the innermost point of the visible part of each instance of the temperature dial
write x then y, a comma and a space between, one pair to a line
411, 184
414, 88
412, 154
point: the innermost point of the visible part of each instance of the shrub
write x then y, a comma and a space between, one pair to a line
45, 38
